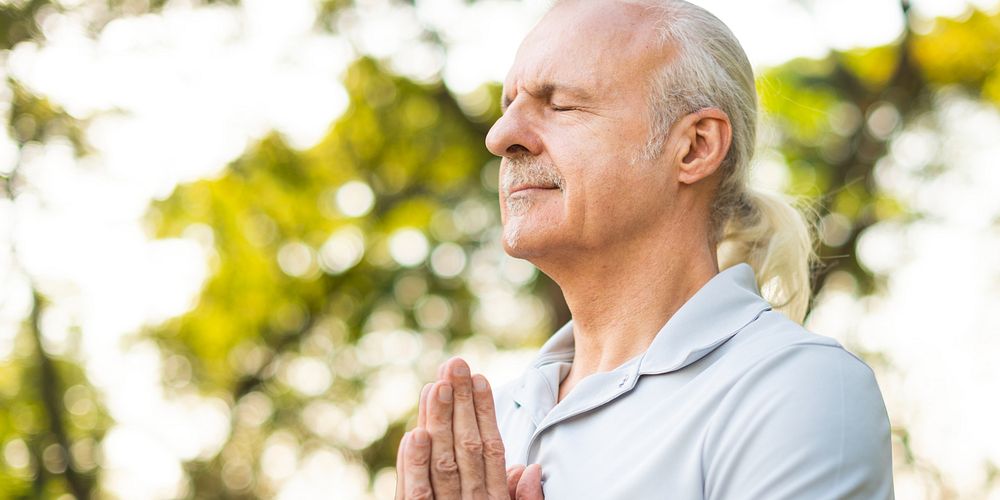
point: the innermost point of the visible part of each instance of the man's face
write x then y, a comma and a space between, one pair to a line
576, 119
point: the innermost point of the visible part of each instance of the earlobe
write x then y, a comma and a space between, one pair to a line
707, 134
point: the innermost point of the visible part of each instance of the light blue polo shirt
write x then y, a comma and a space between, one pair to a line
730, 401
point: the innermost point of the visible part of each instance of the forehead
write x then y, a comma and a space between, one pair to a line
595, 45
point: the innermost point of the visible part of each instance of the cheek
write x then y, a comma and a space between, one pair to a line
632, 197
601, 181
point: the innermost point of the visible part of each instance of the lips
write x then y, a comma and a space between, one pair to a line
528, 174
529, 187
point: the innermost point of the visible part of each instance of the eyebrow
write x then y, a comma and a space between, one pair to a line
547, 90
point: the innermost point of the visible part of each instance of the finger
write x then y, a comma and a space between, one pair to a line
417, 458
400, 466
444, 468
513, 476
422, 406
529, 487
468, 444
494, 462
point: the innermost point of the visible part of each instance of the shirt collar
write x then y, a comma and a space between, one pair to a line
716, 312
713, 315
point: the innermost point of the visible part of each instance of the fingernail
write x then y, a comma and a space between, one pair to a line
479, 382
420, 437
444, 393
460, 369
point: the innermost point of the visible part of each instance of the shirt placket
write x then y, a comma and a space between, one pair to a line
600, 391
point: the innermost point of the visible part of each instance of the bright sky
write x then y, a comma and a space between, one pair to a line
214, 79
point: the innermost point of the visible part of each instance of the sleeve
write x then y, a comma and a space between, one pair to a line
808, 421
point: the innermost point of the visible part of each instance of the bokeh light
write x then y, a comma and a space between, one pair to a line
244, 234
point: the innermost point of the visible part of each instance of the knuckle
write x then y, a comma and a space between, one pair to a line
493, 448
472, 446
445, 463
485, 406
440, 420
420, 492
418, 460
463, 395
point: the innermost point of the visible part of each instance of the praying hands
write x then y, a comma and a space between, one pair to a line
455, 452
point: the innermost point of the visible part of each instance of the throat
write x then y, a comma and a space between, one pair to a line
618, 312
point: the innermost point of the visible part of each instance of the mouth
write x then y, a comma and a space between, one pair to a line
529, 188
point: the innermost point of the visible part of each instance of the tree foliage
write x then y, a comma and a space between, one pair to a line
302, 271
342, 273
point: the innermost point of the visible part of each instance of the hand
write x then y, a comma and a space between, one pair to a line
523, 483
455, 452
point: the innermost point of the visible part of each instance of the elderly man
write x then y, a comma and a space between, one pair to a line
626, 139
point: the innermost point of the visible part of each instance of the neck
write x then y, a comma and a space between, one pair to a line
621, 298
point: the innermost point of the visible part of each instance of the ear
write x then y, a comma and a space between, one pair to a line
704, 138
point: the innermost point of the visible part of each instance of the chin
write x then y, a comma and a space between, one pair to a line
531, 229
513, 241
526, 243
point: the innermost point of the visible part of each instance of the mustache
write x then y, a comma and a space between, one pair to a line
531, 171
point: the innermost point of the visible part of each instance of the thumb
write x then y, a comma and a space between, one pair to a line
529, 487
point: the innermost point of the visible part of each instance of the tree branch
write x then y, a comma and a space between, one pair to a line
51, 389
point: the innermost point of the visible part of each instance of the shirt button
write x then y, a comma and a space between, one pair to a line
622, 383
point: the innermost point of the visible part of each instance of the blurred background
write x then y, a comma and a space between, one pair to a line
236, 237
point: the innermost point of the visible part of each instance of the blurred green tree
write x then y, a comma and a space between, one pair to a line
51, 419
317, 249
346, 270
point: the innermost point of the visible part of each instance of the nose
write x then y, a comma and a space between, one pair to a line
514, 134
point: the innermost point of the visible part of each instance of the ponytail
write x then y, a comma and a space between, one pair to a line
768, 233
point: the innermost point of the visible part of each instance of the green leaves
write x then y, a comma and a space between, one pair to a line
340, 274
322, 247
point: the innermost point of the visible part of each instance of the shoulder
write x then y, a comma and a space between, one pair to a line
779, 360
799, 404
773, 344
